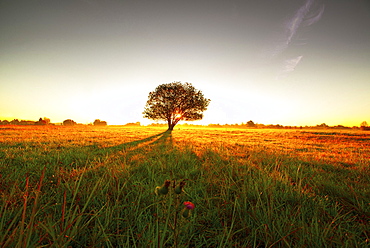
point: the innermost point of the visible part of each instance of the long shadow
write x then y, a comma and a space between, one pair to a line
165, 140
132, 144
131, 148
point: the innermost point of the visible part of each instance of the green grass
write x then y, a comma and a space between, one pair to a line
94, 187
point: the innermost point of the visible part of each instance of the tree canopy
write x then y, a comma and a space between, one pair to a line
98, 122
174, 102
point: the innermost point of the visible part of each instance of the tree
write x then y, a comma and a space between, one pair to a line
251, 124
98, 122
69, 122
364, 126
323, 125
174, 102
44, 121
15, 122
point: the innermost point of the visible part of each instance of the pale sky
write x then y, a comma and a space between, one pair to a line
289, 62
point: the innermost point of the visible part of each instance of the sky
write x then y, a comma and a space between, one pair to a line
287, 62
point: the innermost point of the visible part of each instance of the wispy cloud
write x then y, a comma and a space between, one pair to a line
315, 17
289, 65
294, 23
305, 15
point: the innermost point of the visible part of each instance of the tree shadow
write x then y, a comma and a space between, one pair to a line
165, 140
135, 143
151, 159
162, 140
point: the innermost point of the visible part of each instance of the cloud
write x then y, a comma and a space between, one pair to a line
315, 17
294, 23
289, 65
306, 15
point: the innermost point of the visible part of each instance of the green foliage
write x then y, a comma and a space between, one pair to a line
174, 102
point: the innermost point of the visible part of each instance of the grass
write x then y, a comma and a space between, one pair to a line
94, 187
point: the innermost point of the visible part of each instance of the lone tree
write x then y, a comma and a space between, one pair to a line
174, 102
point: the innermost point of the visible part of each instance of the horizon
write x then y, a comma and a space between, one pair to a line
291, 62
181, 123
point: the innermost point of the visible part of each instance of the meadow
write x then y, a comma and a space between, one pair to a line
86, 186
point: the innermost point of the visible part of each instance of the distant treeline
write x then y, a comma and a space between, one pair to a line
46, 121
249, 124
41, 121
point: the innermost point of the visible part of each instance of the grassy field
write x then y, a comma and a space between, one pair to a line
86, 186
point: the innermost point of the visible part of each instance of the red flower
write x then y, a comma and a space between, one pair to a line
189, 205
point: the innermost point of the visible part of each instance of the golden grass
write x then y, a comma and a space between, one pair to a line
261, 187
348, 148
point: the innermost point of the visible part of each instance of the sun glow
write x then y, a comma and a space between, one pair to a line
178, 115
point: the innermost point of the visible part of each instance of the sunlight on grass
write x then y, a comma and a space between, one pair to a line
94, 186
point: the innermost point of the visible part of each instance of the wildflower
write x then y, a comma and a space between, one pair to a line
187, 210
179, 188
163, 190
189, 205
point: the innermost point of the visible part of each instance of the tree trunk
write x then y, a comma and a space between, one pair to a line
170, 126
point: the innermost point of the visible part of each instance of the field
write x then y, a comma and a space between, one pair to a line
87, 186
